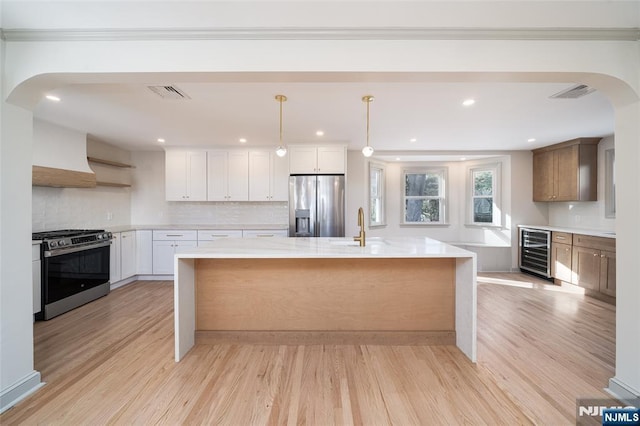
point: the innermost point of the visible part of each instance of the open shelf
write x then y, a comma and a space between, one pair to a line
113, 184
108, 162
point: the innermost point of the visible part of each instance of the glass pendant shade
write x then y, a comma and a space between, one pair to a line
281, 151
367, 151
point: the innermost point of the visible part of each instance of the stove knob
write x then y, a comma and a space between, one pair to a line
53, 244
62, 243
99, 236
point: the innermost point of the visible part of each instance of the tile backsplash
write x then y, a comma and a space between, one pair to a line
63, 208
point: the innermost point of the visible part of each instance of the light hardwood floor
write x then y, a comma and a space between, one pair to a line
111, 362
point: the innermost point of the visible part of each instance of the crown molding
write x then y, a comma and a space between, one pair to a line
136, 34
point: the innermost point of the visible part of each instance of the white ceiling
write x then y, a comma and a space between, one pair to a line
504, 116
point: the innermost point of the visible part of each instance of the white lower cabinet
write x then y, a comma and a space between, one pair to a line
144, 252
122, 256
36, 277
115, 273
206, 237
127, 254
166, 244
265, 233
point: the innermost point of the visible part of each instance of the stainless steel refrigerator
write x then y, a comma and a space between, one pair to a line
316, 206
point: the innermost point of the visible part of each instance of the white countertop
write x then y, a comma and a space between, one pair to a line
221, 227
325, 248
582, 231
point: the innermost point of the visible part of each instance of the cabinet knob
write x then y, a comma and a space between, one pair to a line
602, 255
595, 254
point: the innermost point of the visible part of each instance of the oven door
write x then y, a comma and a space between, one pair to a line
70, 271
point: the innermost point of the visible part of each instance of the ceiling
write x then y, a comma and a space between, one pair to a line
504, 117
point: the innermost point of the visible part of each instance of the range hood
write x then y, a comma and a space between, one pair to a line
60, 157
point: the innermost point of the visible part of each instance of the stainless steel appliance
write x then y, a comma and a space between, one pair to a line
535, 251
316, 206
75, 268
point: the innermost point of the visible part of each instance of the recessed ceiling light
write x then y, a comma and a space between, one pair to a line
413, 140
397, 158
242, 140
531, 140
319, 133
160, 140
53, 98
468, 102
463, 159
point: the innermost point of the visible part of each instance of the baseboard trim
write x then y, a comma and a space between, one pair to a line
123, 282
623, 392
20, 390
398, 338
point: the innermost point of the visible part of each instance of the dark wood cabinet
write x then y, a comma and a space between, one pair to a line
567, 171
594, 263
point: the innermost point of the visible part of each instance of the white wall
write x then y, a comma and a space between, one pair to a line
149, 207
589, 214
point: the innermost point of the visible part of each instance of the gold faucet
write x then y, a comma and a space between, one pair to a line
360, 237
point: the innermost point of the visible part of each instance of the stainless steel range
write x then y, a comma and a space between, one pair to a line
75, 268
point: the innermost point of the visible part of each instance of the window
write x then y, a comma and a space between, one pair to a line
376, 194
424, 196
610, 184
485, 195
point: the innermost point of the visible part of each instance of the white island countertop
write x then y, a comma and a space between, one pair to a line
325, 248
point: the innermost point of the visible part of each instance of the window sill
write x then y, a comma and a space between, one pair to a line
382, 225
421, 225
487, 226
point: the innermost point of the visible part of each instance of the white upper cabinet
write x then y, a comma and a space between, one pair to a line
228, 175
328, 159
186, 175
268, 177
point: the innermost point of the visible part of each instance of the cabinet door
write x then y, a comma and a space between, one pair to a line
127, 254
608, 273
144, 252
330, 159
238, 178
543, 176
259, 176
566, 164
217, 176
163, 257
279, 178
197, 176
175, 175
36, 277
114, 259
586, 267
303, 159
561, 262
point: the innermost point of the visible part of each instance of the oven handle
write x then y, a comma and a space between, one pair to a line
59, 252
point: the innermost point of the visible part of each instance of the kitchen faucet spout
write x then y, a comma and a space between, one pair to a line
361, 237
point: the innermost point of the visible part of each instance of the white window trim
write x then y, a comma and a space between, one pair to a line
496, 168
383, 194
444, 205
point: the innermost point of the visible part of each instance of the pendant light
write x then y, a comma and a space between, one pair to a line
281, 151
367, 151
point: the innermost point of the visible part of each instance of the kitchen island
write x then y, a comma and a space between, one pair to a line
326, 290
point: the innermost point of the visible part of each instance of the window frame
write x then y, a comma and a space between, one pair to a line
496, 219
373, 166
443, 171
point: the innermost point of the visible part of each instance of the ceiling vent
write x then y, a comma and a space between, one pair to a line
168, 92
574, 92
